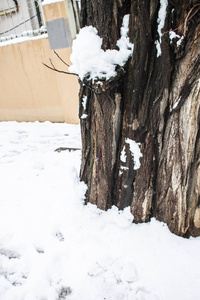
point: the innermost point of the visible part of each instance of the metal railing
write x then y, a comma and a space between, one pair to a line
21, 18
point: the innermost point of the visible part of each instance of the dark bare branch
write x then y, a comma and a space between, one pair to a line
189, 16
60, 58
51, 63
59, 71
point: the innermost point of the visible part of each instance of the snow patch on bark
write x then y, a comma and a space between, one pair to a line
173, 35
89, 59
84, 116
135, 150
177, 103
84, 105
161, 23
84, 102
123, 155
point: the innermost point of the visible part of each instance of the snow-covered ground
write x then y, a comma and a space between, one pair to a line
54, 247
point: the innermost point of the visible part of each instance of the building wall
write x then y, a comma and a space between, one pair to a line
25, 16
29, 91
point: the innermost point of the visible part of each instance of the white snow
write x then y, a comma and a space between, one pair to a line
173, 35
135, 150
123, 155
158, 47
176, 103
45, 2
180, 41
84, 116
53, 247
161, 23
84, 102
88, 58
16, 40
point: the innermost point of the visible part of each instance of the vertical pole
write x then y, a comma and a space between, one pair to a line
76, 12
33, 13
41, 11
21, 9
1, 22
10, 15
18, 19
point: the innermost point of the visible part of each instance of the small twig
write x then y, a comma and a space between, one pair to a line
60, 58
51, 63
187, 18
53, 67
59, 71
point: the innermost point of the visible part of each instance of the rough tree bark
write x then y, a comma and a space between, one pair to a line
155, 101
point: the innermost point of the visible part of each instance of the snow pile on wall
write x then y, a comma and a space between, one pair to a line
22, 39
88, 58
46, 2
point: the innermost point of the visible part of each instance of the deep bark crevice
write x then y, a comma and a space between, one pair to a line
154, 100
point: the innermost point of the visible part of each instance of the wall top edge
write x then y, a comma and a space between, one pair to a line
46, 2
23, 39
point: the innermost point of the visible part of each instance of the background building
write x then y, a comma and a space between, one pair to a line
30, 32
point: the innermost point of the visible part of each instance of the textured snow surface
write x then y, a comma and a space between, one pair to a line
54, 247
88, 59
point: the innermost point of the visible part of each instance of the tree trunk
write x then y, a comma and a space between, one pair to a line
155, 101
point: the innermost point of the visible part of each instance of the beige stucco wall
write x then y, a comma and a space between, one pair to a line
29, 91
68, 87
54, 11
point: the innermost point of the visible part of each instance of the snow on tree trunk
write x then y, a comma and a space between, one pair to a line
140, 109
